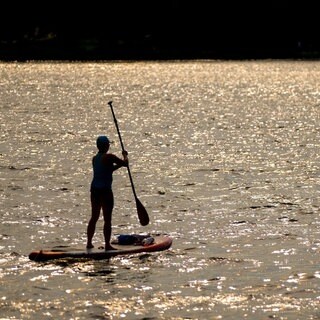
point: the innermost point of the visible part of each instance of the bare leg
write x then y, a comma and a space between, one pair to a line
95, 213
107, 208
107, 235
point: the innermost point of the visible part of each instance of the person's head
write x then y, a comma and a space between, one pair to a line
103, 143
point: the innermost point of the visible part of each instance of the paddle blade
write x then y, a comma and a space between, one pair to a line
142, 213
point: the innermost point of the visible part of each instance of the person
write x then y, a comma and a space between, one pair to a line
104, 164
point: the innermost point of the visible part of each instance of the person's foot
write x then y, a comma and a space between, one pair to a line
90, 246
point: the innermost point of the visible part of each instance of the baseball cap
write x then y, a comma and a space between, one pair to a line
102, 141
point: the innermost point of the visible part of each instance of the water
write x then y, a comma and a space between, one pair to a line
225, 158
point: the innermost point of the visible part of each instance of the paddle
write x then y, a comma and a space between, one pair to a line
142, 212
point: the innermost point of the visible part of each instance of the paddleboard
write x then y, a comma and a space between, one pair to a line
159, 243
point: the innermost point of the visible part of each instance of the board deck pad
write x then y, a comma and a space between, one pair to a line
160, 243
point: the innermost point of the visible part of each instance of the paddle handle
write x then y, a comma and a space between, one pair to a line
116, 123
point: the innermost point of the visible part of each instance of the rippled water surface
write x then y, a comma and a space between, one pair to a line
225, 158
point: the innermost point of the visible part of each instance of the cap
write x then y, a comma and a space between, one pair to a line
102, 141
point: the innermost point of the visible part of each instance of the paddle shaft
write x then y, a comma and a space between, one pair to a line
122, 147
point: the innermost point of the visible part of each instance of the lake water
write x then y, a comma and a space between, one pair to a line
224, 156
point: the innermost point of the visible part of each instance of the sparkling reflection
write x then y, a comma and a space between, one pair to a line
225, 157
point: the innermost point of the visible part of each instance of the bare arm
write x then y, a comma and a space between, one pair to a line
118, 163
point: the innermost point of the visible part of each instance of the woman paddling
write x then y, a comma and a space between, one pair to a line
104, 164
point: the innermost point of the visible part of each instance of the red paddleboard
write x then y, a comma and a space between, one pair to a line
160, 243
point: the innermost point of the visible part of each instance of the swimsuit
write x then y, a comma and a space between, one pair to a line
102, 174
